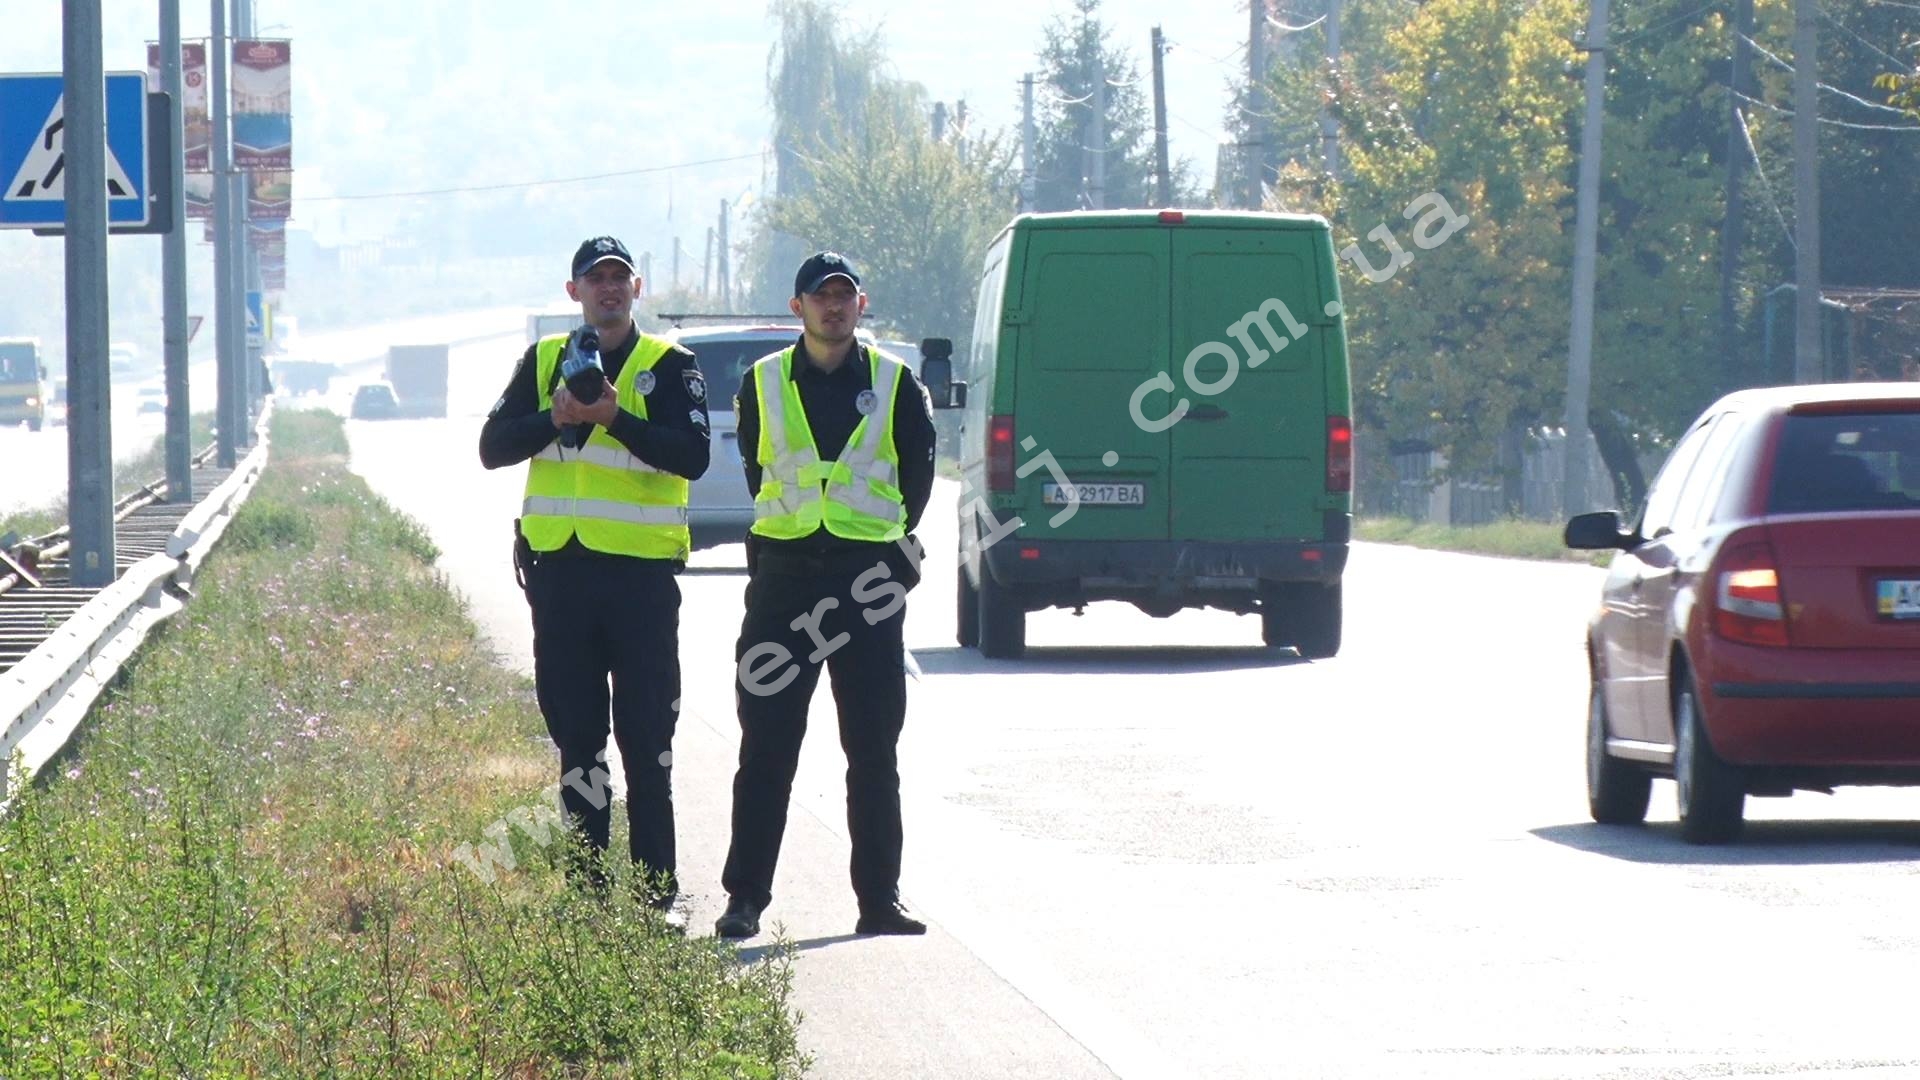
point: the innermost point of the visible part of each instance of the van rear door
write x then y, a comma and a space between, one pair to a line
1249, 457
1091, 327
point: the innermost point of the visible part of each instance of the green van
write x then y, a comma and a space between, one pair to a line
1157, 411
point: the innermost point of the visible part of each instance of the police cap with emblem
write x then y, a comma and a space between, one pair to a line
820, 269
592, 253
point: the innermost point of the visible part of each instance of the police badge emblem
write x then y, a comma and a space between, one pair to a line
867, 402
696, 386
643, 383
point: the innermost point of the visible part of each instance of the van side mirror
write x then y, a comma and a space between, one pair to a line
1599, 531
936, 372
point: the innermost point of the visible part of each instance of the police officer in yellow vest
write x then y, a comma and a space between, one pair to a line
603, 530
837, 438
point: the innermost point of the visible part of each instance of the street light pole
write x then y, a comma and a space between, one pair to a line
1585, 241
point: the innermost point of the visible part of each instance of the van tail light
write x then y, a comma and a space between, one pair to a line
1339, 454
1000, 455
1748, 607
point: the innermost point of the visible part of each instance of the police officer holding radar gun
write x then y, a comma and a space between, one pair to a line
613, 425
838, 440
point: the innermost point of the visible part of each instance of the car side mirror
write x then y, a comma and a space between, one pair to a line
1601, 530
936, 373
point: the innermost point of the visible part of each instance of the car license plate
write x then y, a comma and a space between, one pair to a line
1900, 599
1095, 494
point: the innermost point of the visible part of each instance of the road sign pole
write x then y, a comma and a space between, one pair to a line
89, 420
243, 20
237, 264
173, 267
226, 300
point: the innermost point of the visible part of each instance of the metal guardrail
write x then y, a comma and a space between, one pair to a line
45, 696
53, 545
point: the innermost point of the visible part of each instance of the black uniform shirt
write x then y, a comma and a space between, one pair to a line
673, 437
831, 401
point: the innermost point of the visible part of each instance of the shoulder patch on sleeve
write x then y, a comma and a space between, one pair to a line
698, 417
696, 385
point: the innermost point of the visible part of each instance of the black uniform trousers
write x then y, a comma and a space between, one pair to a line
869, 681
600, 620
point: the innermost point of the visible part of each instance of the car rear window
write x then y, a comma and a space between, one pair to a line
1853, 461
724, 361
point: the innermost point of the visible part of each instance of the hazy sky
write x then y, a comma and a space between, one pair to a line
615, 87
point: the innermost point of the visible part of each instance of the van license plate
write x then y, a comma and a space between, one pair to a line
1900, 599
1095, 494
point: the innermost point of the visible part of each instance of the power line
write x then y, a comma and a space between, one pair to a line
1824, 120
1850, 31
1766, 185
1663, 24
531, 183
1830, 89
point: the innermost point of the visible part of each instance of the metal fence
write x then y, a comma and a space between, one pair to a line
1526, 482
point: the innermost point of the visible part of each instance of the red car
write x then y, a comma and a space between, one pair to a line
1759, 630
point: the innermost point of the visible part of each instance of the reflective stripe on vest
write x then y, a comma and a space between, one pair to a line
856, 497
601, 493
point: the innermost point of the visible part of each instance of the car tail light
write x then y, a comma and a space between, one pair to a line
1172, 217
1749, 604
1000, 454
1339, 454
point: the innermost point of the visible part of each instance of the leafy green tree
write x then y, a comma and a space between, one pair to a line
913, 214
821, 78
1075, 54
1450, 216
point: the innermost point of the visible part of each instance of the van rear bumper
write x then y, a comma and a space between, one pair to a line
1123, 569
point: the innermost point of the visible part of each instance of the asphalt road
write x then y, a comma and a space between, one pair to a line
1154, 849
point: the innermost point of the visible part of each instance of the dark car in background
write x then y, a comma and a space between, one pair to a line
1759, 629
374, 401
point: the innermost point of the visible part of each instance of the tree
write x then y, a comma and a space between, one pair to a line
820, 80
913, 214
1075, 53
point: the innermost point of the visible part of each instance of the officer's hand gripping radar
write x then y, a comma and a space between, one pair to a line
584, 378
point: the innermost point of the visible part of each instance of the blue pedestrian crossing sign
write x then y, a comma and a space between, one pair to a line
256, 320
33, 160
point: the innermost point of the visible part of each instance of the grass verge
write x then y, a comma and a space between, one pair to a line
1514, 539
245, 867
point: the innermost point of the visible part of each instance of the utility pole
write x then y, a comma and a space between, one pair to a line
89, 400
1329, 127
1027, 178
706, 267
1256, 102
1808, 365
1097, 146
1730, 360
173, 269
1585, 240
726, 272
1163, 172
939, 120
676, 262
227, 413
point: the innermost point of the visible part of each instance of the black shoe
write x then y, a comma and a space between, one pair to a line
741, 919
890, 919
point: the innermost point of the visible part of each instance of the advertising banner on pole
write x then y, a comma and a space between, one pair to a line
195, 115
270, 195
199, 194
263, 104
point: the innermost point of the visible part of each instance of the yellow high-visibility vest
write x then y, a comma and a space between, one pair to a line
611, 500
856, 497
